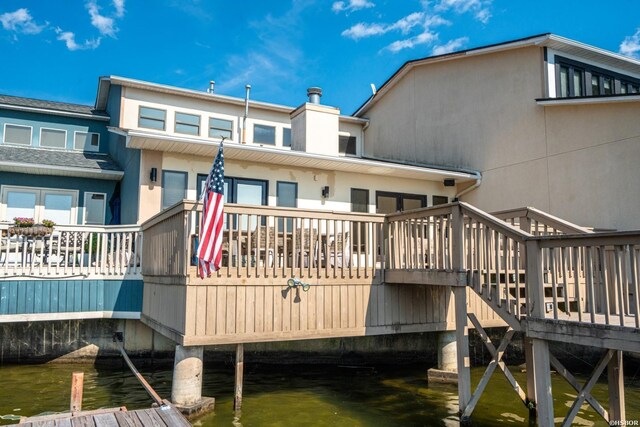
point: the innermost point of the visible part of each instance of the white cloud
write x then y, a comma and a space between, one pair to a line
70, 40
480, 8
426, 37
630, 46
450, 46
408, 22
105, 25
352, 6
363, 30
119, 6
20, 21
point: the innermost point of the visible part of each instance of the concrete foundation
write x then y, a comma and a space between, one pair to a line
446, 372
186, 388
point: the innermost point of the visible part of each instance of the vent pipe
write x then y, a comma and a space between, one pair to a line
246, 113
212, 85
314, 94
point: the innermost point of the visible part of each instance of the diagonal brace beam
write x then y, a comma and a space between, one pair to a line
587, 388
496, 361
564, 372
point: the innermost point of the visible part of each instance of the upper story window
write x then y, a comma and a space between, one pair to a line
17, 134
286, 137
579, 79
187, 123
347, 145
220, 128
263, 134
152, 118
86, 141
53, 138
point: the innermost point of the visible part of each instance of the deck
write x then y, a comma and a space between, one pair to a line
162, 416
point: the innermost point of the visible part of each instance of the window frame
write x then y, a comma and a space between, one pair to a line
176, 123
400, 198
590, 71
84, 208
75, 134
4, 135
355, 145
38, 213
186, 187
433, 200
230, 130
140, 116
57, 130
264, 126
290, 140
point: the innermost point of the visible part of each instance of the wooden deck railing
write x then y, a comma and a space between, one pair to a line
268, 242
70, 251
539, 223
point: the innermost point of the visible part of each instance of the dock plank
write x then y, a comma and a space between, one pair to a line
105, 420
171, 416
147, 421
85, 421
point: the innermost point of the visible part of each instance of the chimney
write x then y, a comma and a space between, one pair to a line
314, 94
212, 85
314, 127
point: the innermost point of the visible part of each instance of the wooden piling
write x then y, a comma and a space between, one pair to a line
77, 382
237, 402
616, 388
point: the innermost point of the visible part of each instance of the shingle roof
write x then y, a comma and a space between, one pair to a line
51, 105
72, 159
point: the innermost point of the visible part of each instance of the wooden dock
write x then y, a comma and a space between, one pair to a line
160, 416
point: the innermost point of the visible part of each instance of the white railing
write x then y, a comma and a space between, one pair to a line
70, 251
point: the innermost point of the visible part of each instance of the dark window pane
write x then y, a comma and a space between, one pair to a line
440, 200
286, 137
287, 197
359, 200
264, 134
564, 81
152, 118
595, 85
577, 83
409, 203
174, 187
386, 204
623, 88
607, 87
187, 123
347, 145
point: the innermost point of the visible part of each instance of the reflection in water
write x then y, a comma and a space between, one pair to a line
295, 395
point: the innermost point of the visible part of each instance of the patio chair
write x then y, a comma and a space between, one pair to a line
339, 253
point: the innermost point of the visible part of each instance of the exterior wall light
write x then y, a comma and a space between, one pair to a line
325, 191
153, 175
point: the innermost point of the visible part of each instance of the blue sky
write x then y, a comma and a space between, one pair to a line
56, 50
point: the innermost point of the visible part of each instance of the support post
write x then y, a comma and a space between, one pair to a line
447, 352
616, 388
460, 294
77, 385
531, 376
186, 389
237, 402
540, 348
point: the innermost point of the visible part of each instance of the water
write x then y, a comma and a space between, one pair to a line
297, 395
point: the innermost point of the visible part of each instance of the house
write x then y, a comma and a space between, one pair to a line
549, 122
54, 162
310, 157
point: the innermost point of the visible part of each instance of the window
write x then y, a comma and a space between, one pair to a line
347, 145
58, 206
219, 128
388, 202
86, 141
579, 79
94, 208
263, 134
440, 200
174, 187
360, 203
286, 137
53, 138
16, 134
151, 118
287, 197
571, 81
187, 123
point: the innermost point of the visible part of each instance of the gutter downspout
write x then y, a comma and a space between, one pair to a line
473, 187
246, 113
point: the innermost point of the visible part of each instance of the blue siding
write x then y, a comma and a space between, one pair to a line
41, 120
64, 296
64, 183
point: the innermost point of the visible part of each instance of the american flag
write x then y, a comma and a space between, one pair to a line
210, 247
